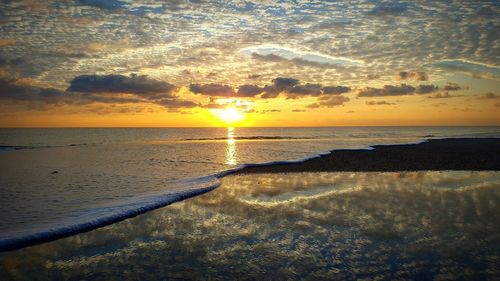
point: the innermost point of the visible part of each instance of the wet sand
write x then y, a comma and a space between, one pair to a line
427, 225
461, 154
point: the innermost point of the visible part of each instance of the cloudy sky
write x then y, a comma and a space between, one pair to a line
278, 63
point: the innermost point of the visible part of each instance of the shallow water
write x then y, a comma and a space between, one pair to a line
60, 180
314, 226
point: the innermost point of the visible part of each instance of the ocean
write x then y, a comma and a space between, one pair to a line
57, 182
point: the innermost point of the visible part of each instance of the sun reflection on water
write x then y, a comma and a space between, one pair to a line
231, 155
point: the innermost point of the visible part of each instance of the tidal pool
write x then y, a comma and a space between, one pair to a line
310, 226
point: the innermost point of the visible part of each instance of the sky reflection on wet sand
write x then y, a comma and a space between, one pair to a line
314, 226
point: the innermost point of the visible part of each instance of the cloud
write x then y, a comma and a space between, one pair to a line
417, 76
471, 67
452, 87
78, 93
329, 101
388, 90
16, 90
426, 89
214, 90
298, 110
284, 83
401, 90
304, 90
248, 90
293, 89
379, 103
139, 85
277, 53
335, 90
443, 96
279, 85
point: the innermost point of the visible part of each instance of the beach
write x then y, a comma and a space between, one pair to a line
307, 226
437, 155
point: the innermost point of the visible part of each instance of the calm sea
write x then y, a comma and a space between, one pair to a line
56, 181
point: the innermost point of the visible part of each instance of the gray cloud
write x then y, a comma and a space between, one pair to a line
249, 90
94, 91
139, 85
335, 90
426, 89
214, 90
401, 90
379, 103
452, 87
446, 95
329, 101
388, 90
417, 76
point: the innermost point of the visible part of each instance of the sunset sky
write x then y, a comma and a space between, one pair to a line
93, 63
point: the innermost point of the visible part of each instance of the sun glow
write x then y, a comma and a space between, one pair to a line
229, 115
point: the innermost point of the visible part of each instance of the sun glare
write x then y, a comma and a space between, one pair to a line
229, 115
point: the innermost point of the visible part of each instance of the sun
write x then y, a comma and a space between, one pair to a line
229, 115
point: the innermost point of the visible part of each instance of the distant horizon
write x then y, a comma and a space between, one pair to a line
208, 127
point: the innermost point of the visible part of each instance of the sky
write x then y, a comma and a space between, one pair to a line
123, 63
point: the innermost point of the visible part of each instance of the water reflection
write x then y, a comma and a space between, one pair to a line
231, 155
318, 226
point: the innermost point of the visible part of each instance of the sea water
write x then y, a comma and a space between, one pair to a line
56, 182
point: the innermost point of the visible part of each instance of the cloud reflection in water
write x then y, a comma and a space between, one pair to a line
413, 225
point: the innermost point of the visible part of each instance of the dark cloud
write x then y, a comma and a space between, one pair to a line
249, 90
214, 90
401, 90
417, 76
443, 96
452, 87
284, 83
379, 103
298, 110
335, 90
329, 101
279, 85
426, 89
388, 90
40, 97
15, 90
304, 90
139, 85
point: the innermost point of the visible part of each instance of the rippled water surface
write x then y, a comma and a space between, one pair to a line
55, 180
313, 226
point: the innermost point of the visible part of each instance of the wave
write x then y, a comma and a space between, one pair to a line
249, 138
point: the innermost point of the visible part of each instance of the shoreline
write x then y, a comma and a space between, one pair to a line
454, 154
479, 154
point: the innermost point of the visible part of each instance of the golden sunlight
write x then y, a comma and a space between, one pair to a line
229, 115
